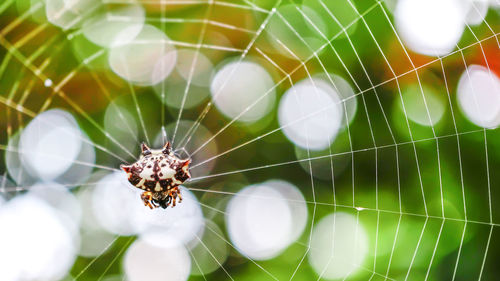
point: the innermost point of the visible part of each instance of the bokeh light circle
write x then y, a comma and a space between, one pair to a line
68, 13
430, 27
146, 60
146, 262
339, 244
112, 27
114, 203
283, 30
62, 201
120, 123
478, 96
50, 144
422, 104
39, 232
338, 88
296, 203
172, 92
82, 167
238, 85
195, 65
18, 173
260, 220
94, 239
308, 122
476, 11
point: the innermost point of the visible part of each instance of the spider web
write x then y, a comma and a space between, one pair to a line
426, 194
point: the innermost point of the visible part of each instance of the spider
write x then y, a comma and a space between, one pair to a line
158, 172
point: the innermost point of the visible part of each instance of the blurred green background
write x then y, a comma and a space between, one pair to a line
414, 164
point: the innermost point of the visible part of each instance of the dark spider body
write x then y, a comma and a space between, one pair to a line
159, 173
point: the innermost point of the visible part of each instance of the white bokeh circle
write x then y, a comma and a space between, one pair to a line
284, 30
310, 115
430, 27
476, 11
18, 173
296, 202
478, 95
341, 91
339, 245
260, 219
114, 203
422, 104
94, 239
116, 26
122, 124
68, 14
62, 201
50, 144
146, 262
196, 65
146, 60
243, 90
35, 243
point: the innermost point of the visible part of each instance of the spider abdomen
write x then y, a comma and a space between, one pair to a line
159, 173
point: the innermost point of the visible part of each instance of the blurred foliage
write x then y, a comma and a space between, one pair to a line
383, 162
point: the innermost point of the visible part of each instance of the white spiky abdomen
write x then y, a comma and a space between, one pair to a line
166, 173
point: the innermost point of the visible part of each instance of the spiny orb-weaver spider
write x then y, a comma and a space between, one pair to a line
158, 172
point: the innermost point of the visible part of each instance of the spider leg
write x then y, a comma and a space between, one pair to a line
155, 203
173, 192
169, 198
147, 197
180, 196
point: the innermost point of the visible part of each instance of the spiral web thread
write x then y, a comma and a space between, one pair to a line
35, 63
